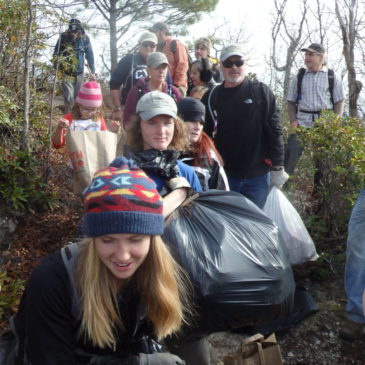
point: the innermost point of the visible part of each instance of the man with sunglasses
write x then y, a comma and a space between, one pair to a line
70, 52
130, 68
244, 121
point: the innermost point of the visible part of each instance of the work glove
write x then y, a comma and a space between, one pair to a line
161, 358
177, 183
278, 177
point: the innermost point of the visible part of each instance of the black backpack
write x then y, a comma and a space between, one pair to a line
331, 83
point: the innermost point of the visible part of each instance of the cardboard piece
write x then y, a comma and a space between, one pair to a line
257, 350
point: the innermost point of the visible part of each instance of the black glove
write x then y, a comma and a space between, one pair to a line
206, 72
163, 163
162, 358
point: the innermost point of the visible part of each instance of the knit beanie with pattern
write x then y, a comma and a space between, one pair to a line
122, 199
90, 95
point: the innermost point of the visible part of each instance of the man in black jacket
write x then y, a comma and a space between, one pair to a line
243, 119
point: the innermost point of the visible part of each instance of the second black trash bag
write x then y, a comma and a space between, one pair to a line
235, 259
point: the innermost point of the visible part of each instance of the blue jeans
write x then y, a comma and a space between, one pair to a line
355, 261
70, 88
256, 188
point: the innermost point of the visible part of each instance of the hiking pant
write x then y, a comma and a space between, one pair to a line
70, 87
293, 151
256, 188
355, 261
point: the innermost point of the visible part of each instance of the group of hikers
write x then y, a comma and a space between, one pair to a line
114, 297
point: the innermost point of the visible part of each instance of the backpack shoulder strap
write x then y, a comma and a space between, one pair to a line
300, 76
256, 92
173, 46
211, 103
331, 83
69, 255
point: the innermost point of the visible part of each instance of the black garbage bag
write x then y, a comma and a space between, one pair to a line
235, 259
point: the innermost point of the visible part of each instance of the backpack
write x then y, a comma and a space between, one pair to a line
173, 46
131, 78
331, 82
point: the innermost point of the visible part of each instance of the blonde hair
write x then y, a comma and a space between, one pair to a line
179, 142
197, 92
159, 281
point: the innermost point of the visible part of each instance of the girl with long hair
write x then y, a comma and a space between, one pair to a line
108, 299
155, 140
202, 156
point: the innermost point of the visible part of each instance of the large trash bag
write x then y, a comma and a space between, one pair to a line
295, 235
235, 259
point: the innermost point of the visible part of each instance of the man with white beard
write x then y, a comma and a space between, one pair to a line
244, 121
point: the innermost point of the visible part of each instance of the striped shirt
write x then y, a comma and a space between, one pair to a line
315, 95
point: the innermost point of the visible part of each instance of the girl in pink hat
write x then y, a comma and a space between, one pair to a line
85, 115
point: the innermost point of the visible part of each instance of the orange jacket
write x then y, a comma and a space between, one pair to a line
178, 62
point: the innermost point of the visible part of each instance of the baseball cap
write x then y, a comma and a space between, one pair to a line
156, 59
191, 109
159, 26
314, 47
74, 25
148, 37
156, 103
231, 50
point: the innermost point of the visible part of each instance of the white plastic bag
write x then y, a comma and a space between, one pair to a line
295, 236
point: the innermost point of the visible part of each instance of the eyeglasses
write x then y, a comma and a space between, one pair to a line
230, 63
148, 44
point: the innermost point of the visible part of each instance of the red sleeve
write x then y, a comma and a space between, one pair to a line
103, 124
62, 138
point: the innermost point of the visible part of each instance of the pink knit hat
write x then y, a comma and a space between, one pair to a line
90, 95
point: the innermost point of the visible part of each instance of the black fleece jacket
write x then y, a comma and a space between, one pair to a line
248, 131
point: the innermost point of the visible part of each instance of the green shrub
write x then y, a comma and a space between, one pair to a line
21, 185
10, 291
339, 146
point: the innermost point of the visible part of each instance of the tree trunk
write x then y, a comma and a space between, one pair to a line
26, 95
113, 35
348, 31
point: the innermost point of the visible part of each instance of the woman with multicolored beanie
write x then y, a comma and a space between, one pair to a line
86, 114
109, 298
156, 139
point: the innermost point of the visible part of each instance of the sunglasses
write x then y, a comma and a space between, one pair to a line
148, 44
229, 63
